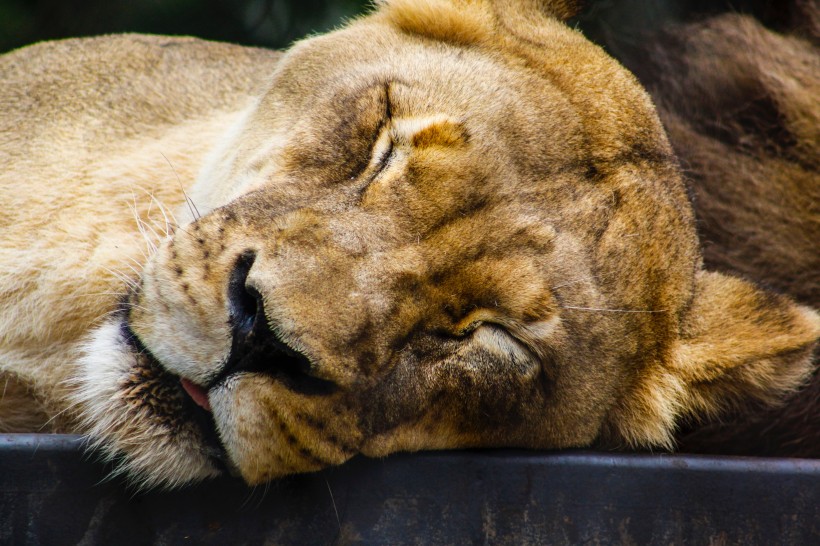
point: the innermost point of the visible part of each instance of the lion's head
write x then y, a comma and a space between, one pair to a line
448, 224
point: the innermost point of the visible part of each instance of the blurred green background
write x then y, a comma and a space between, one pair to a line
272, 23
277, 23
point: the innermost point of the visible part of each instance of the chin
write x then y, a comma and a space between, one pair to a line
139, 416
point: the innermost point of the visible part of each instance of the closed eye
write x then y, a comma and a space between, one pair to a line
383, 146
382, 152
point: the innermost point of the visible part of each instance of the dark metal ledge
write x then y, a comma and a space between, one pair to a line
50, 493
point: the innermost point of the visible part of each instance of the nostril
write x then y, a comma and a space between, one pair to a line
255, 346
244, 302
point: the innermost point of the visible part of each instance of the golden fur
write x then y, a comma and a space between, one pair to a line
448, 224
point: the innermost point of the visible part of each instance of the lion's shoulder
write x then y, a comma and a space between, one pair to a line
117, 86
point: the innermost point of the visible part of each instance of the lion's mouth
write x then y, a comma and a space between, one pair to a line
185, 400
197, 393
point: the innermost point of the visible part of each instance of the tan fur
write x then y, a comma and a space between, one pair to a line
81, 181
19, 408
449, 224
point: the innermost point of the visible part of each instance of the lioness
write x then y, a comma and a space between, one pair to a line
448, 224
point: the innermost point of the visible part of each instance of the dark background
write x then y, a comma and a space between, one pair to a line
273, 23
277, 23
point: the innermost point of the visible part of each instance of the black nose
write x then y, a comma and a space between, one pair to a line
245, 305
255, 346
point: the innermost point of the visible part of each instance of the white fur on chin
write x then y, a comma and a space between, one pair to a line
153, 455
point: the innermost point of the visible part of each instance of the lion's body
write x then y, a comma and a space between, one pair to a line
89, 123
462, 227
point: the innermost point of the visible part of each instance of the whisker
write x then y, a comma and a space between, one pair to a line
127, 280
606, 310
140, 307
129, 283
248, 498
265, 491
139, 266
58, 414
153, 232
187, 198
162, 210
104, 316
191, 205
141, 225
141, 229
134, 269
165, 211
333, 501
91, 295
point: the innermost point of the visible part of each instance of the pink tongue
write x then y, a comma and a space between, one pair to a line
197, 393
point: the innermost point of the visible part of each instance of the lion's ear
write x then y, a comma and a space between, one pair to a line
471, 21
738, 344
560, 9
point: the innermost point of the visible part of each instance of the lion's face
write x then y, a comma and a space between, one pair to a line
409, 243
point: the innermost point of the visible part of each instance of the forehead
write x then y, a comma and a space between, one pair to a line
427, 73
500, 100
